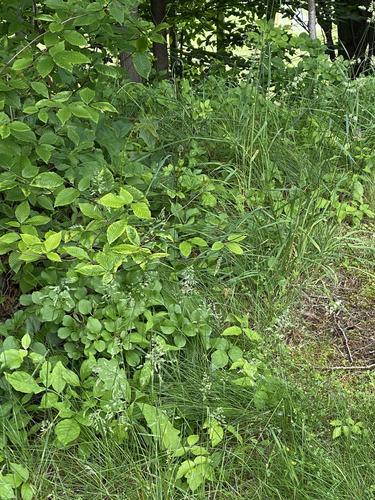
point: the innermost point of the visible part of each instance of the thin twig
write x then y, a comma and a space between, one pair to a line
344, 336
348, 368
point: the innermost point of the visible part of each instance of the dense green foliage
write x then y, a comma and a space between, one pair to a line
152, 239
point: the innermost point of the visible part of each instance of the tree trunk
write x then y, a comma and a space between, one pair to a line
312, 19
327, 30
126, 60
355, 33
220, 34
160, 50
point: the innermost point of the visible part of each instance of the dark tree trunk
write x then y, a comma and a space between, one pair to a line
327, 27
355, 33
160, 50
126, 60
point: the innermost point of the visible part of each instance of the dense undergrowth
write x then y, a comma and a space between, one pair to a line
150, 258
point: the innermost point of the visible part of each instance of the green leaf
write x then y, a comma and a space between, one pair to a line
12, 358
91, 211
6, 490
22, 211
112, 201
66, 197
192, 439
185, 248
67, 59
22, 63
337, 431
234, 248
47, 180
141, 210
27, 491
115, 230
117, 11
40, 88
64, 114
77, 252
94, 325
142, 64
75, 38
52, 241
67, 431
199, 242
20, 471
232, 331
161, 428
23, 382
219, 359
44, 151
87, 95
185, 468
218, 245
44, 66
84, 306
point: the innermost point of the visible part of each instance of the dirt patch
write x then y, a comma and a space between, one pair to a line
334, 325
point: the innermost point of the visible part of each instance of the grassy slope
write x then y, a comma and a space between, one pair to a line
288, 156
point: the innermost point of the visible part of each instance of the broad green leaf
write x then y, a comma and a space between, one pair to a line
234, 248
77, 252
117, 11
67, 59
94, 325
64, 114
219, 359
199, 242
22, 63
87, 95
27, 491
40, 88
47, 180
9, 238
6, 490
232, 331
12, 358
112, 201
67, 431
185, 248
115, 230
20, 471
44, 66
141, 210
161, 428
66, 197
337, 431
84, 306
218, 245
23, 382
90, 210
184, 468
22, 211
142, 64
44, 151
75, 38
52, 241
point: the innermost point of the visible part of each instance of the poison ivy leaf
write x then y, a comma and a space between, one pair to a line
20, 471
67, 431
27, 491
66, 197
